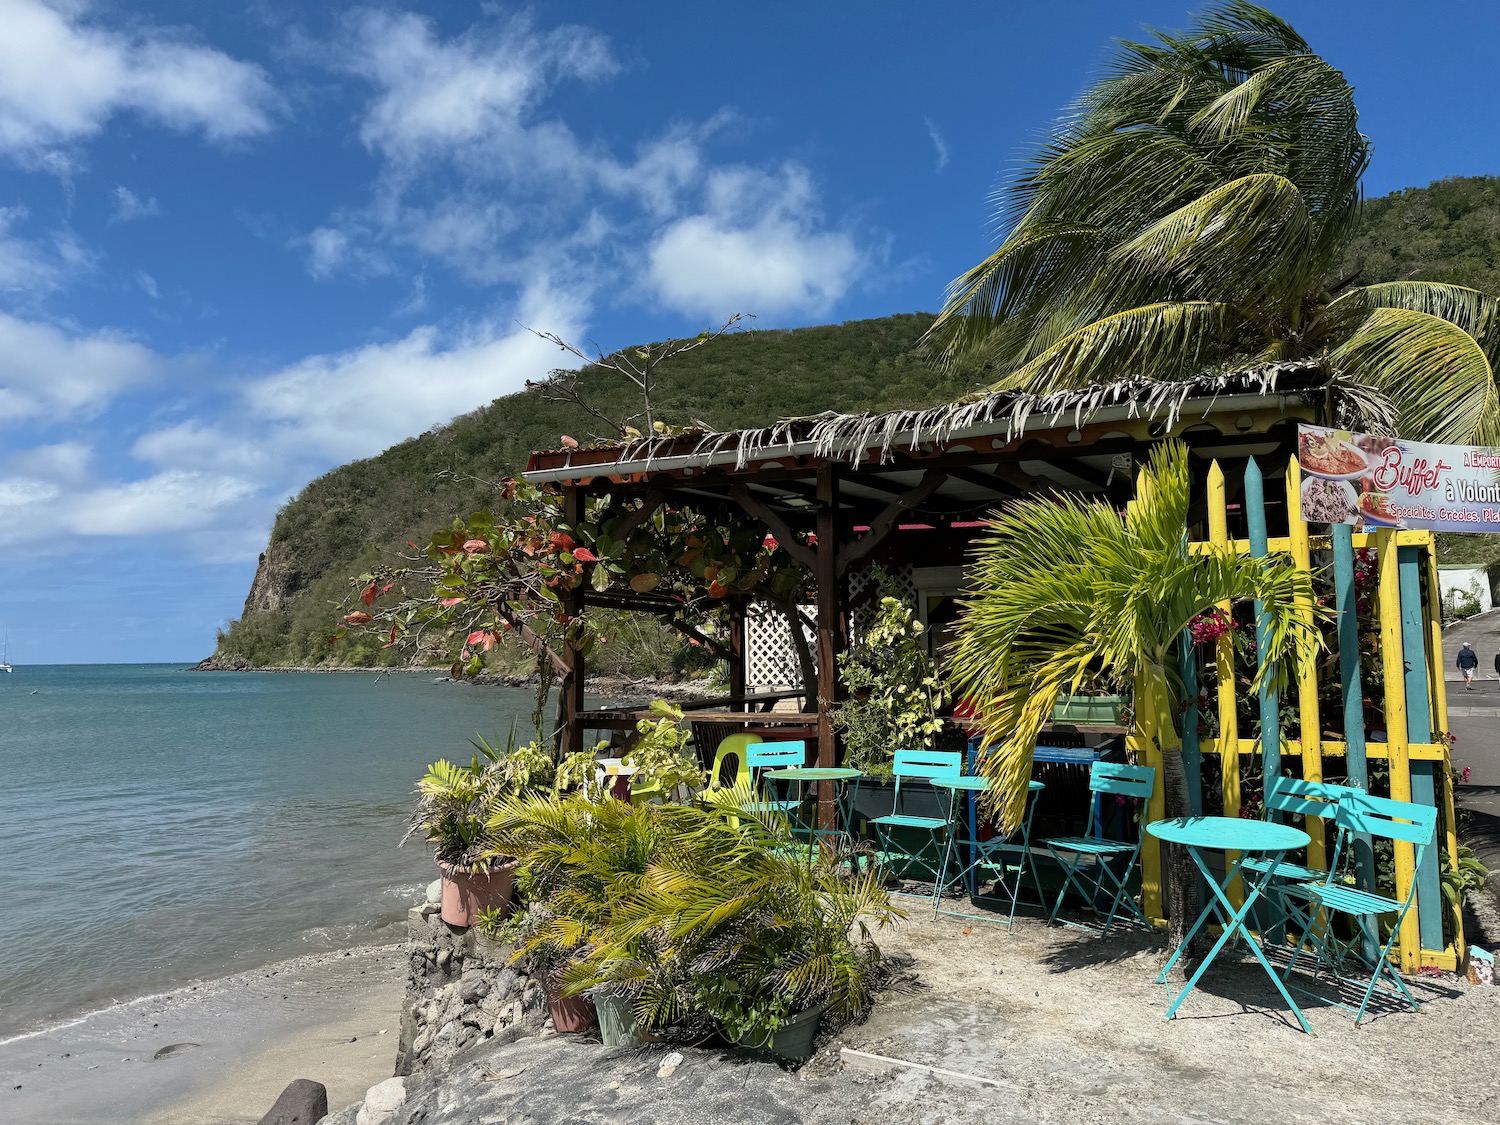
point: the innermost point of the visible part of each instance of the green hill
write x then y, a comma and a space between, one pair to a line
345, 521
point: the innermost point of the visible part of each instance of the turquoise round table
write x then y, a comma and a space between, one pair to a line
989, 853
1229, 834
843, 801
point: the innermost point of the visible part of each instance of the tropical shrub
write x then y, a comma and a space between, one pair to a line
659, 752
894, 692
692, 918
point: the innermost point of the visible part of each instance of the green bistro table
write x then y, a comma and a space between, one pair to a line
1230, 834
843, 797
990, 853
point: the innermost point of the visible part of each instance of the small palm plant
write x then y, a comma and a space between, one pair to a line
692, 913
1067, 595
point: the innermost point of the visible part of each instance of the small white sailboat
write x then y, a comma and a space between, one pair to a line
5, 656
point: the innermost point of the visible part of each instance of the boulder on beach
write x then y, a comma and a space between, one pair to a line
301, 1103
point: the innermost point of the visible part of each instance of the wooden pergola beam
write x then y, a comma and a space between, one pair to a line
887, 521
767, 515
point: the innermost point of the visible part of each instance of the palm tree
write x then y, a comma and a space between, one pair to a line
1190, 214
1065, 595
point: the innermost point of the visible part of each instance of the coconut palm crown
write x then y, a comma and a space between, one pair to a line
1066, 596
1190, 213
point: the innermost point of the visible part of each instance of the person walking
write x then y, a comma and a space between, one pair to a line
1497, 669
1468, 661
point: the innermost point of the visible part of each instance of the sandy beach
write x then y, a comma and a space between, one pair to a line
216, 1052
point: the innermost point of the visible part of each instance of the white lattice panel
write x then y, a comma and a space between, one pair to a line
770, 658
864, 616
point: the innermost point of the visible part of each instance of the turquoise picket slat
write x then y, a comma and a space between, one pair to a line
1419, 729
1270, 705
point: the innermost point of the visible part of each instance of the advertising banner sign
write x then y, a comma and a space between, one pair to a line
1390, 482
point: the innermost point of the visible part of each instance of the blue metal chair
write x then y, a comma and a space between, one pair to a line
1078, 856
1359, 812
767, 756
927, 765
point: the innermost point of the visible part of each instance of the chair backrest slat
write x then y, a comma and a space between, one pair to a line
776, 755
928, 763
1118, 778
1307, 798
1381, 816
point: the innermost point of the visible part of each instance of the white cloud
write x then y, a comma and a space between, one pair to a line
438, 95
47, 373
66, 462
333, 250
129, 206
938, 142
756, 247
357, 403
62, 77
147, 284
37, 265
36, 509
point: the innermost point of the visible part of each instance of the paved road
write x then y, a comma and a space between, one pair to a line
1474, 715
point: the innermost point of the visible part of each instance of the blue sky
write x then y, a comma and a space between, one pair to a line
241, 244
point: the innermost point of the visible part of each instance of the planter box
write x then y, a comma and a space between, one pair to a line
1091, 709
793, 1040
617, 1023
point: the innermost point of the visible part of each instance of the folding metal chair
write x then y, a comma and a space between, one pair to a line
925, 764
1090, 853
772, 755
1295, 797
1391, 820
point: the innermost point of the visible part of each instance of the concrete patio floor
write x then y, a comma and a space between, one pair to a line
1040, 1025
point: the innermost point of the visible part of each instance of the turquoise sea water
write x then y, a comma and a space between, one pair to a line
159, 826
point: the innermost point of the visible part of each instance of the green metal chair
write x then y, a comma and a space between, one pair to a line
927, 765
1359, 812
1078, 856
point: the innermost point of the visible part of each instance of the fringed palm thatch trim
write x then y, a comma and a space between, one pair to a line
857, 437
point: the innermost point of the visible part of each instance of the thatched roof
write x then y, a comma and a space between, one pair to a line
858, 438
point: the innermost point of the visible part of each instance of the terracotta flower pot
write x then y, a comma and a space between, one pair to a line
569, 1013
467, 893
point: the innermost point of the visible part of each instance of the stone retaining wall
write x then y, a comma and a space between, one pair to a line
460, 992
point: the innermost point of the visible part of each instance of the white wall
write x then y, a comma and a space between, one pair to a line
1451, 579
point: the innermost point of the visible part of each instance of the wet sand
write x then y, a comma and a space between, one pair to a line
220, 1051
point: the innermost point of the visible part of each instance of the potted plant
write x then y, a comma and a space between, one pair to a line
454, 802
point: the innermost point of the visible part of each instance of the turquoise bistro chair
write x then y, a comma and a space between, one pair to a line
760, 756
1389, 820
928, 857
1087, 858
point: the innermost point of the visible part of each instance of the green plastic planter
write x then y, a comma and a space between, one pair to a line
1091, 709
618, 1026
793, 1040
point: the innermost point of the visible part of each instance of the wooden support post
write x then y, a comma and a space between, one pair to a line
1356, 762
1229, 723
1192, 752
825, 574
1398, 741
1419, 730
1308, 717
570, 703
737, 649
1270, 705
1436, 666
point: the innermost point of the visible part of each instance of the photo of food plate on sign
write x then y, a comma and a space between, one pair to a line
1377, 482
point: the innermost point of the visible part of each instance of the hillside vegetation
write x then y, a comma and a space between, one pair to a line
345, 521
348, 519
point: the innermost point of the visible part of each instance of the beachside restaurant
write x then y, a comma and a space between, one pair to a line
908, 492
